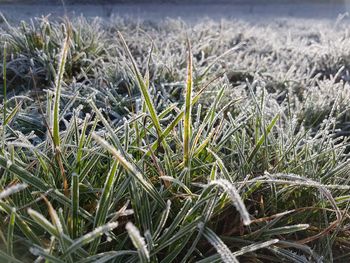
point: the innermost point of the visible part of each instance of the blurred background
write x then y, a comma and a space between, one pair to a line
188, 10
171, 1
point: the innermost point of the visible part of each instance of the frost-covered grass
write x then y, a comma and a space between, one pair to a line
142, 142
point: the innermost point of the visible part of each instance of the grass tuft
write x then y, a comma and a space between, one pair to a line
139, 147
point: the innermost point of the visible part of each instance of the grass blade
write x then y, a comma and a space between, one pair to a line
262, 139
236, 199
11, 190
139, 242
7, 258
89, 237
4, 83
224, 252
143, 87
104, 202
75, 204
10, 230
188, 111
58, 85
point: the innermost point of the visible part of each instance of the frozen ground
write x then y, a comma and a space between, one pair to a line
189, 13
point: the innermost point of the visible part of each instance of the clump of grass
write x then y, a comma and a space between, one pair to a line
181, 166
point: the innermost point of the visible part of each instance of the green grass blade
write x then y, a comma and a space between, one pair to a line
38, 251
143, 87
188, 112
107, 256
75, 204
10, 230
162, 221
12, 114
262, 138
104, 202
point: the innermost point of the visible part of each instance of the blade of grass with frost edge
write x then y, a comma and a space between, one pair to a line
255, 246
235, 198
176, 121
43, 254
163, 220
139, 242
104, 202
51, 229
12, 190
285, 230
75, 204
91, 236
62, 238
224, 252
107, 256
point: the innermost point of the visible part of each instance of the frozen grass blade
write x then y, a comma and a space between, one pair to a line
75, 204
37, 251
104, 202
43, 222
224, 252
12, 114
162, 221
285, 230
256, 246
89, 237
139, 242
107, 256
221, 165
5, 98
12, 190
235, 198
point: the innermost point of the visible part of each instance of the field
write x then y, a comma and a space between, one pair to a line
211, 141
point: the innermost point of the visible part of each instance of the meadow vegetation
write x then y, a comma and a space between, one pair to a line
171, 142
